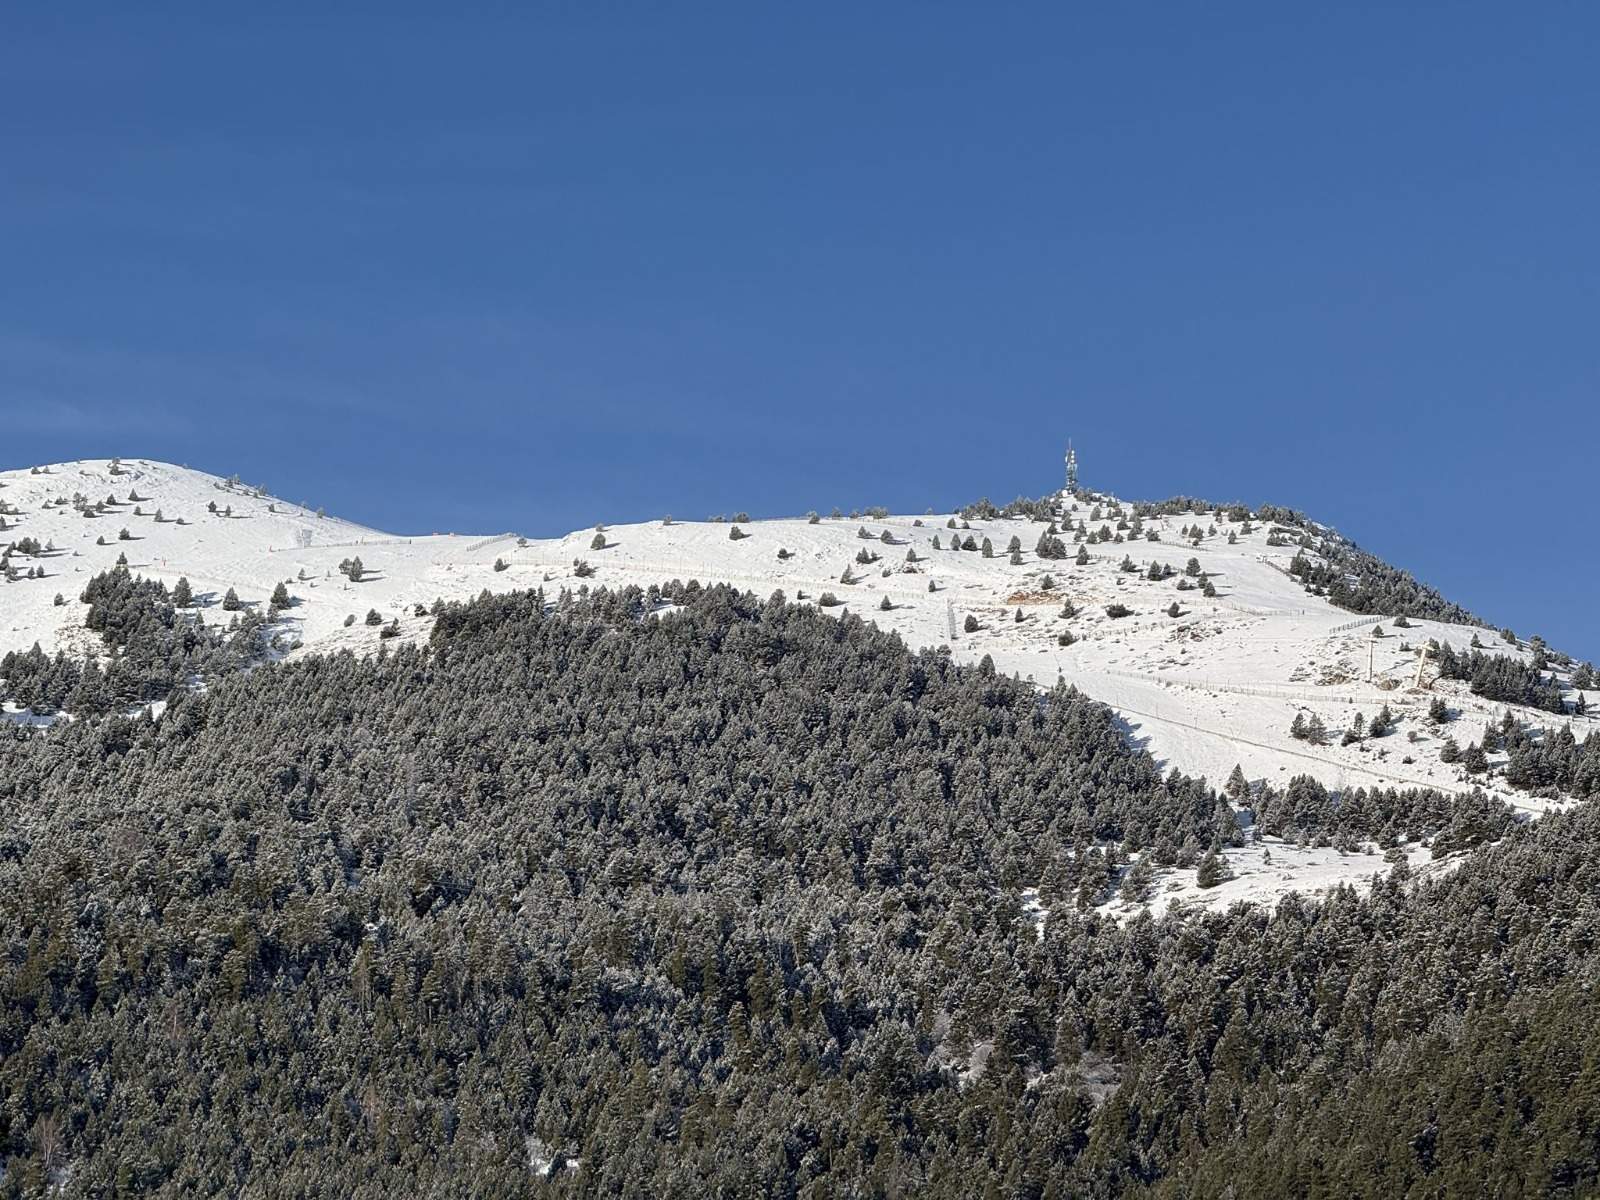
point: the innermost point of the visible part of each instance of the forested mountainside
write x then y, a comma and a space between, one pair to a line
1200, 623
684, 893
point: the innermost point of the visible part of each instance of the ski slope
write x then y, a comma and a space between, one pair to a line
1215, 686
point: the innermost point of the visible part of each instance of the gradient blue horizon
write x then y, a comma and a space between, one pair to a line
537, 267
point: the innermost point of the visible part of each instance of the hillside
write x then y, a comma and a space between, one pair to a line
672, 889
1218, 684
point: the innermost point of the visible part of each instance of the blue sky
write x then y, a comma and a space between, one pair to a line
604, 261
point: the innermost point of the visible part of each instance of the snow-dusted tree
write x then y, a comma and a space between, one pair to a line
1382, 723
1213, 869
1237, 787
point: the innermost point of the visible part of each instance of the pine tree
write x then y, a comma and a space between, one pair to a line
231, 602
280, 597
1213, 869
1237, 787
1383, 722
182, 593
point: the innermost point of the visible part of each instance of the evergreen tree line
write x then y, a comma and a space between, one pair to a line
151, 648
1353, 579
1307, 812
1502, 678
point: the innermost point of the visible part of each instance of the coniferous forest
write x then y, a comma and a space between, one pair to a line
685, 893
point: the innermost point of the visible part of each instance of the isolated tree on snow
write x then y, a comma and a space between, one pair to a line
970, 625
1383, 722
735, 533
1083, 556
280, 596
1237, 787
230, 601
182, 593
1173, 610
598, 542
1212, 870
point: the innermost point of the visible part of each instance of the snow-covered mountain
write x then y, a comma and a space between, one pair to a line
1215, 682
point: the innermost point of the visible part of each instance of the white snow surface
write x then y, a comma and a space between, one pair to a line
1215, 686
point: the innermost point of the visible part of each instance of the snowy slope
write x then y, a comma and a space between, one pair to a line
1215, 686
